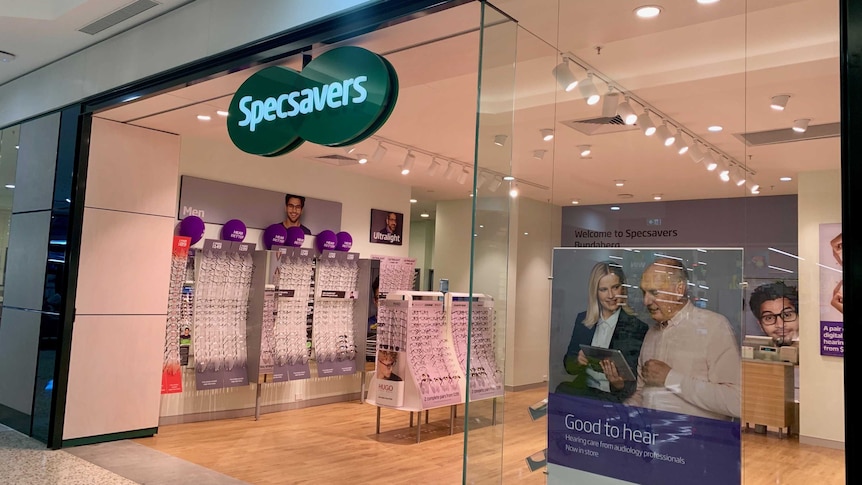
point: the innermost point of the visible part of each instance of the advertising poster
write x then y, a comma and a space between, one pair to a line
645, 368
831, 291
386, 227
388, 372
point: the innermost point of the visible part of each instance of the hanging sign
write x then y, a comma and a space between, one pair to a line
340, 98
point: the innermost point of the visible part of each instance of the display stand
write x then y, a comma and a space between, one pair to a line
421, 371
333, 332
486, 380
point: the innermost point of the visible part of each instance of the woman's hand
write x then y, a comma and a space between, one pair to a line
838, 297
582, 359
610, 370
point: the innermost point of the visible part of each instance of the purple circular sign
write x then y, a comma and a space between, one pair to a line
294, 236
275, 234
326, 240
343, 241
233, 230
192, 227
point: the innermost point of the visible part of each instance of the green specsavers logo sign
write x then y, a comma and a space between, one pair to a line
340, 98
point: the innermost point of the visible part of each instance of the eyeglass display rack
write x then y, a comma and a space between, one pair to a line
282, 288
172, 360
486, 379
334, 329
222, 284
395, 274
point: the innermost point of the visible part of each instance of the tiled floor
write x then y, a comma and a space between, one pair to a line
25, 461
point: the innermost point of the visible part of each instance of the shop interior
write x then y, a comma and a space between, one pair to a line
705, 73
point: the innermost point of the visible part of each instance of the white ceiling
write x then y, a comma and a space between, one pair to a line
698, 64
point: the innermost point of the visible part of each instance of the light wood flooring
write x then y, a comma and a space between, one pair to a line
337, 443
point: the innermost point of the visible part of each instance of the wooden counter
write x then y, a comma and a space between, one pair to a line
767, 394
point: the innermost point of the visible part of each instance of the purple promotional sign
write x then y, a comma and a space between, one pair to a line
294, 237
325, 240
275, 234
344, 241
192, 227
639, 445
233, 230
831, 290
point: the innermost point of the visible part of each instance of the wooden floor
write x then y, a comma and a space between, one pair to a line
337, 443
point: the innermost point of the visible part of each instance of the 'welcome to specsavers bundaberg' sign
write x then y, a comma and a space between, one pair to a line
340, 98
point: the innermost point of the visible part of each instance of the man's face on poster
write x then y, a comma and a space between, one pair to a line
391, 222
779, 320
664, 297
293, 210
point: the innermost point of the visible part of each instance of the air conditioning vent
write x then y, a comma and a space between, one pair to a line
117, 16
787, 135
337, 160
599, 126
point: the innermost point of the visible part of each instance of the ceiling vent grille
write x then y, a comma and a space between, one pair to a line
787, 135
599, 126
337, 160
118, 16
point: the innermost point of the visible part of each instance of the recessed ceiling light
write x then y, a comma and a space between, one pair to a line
779, 102
7, 56
526, 233
413, 201
481, 225
204, 117
131, 98
707, 2
615, 207
785, 179
10, 186
508, 178
619, 183
648, 11
547, 134
222, 112
424, 214
576, 202
715, 128
656, 197
362, 158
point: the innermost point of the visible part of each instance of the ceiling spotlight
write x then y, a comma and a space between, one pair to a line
350, 150
615, 207
413, 201
664, 134
588, 90
7, 56
707, 2
619, 182
646, 124
779, 102
724, 174
585, 150
715, 128
564, 76
508, 178
425, 214
539, 154
679, 144
739, 177
710, 162
801, 125
10, 186
648, 11
362, 158
222, 113
379, 153
407, 166
627, 113
204, 117
754, 188
610, 104
481, 179
462, 179
656, 196
547, 134
500, 140
495, 184
513, 192
434, 167
695, 153
451, 171
785, 179
576, 202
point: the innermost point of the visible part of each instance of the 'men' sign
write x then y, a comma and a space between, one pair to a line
340, 98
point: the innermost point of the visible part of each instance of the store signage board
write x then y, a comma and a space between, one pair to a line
340, 98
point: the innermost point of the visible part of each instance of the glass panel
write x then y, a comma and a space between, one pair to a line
488, 349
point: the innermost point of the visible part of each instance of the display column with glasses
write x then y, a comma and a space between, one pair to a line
333, 329
395, 274
224, 273
486, 379
172, 361
417, 366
